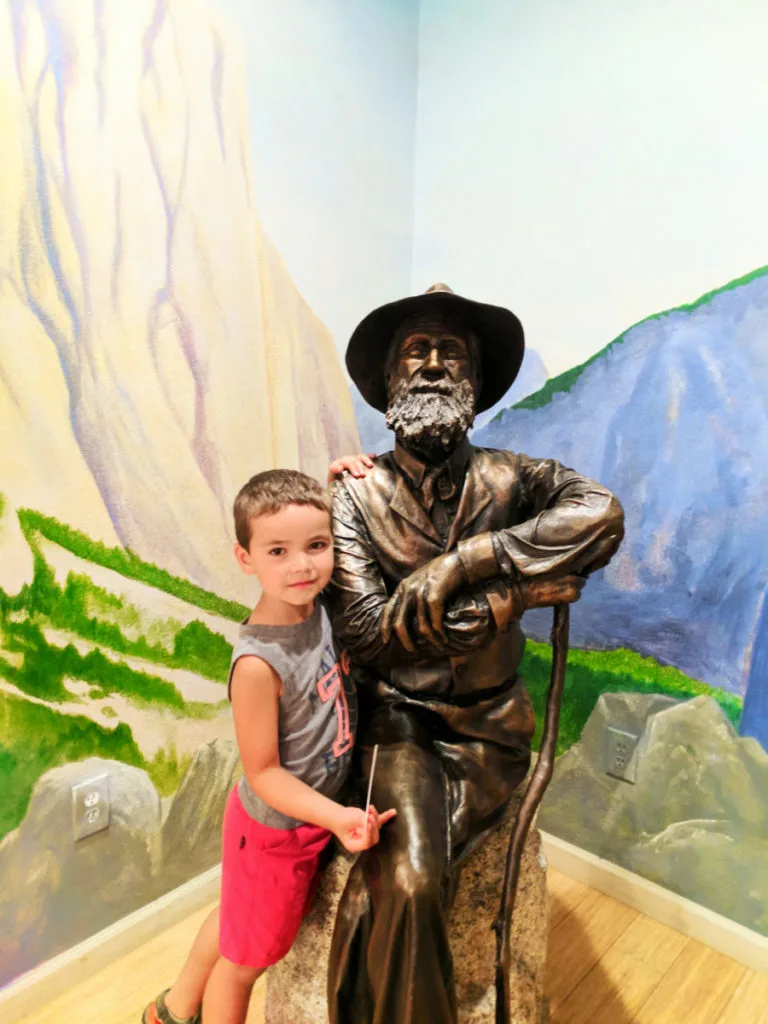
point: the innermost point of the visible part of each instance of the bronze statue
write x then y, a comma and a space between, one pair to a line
439, 551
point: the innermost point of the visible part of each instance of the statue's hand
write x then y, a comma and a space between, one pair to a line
551, 590
423, 596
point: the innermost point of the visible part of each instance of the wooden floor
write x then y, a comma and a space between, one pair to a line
608, 964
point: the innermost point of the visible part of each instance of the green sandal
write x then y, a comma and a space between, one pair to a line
158, 1013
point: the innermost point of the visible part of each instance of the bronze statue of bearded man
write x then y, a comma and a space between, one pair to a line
439, 551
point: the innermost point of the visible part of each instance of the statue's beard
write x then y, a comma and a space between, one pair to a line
431, 419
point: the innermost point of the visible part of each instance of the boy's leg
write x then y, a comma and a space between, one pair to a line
228, 992
185, 997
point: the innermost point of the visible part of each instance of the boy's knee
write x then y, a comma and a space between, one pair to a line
242, 975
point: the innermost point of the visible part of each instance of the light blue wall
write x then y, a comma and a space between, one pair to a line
590, 162
331, 88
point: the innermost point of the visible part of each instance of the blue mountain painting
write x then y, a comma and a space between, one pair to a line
672, 416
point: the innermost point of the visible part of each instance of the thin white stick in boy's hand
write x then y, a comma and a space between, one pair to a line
370, 781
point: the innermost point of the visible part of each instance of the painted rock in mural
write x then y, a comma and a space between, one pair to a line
696, 818
192, 831
73, 889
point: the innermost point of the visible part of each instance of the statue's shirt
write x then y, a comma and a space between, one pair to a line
536, 518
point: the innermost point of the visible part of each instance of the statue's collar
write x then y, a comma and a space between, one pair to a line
451, 471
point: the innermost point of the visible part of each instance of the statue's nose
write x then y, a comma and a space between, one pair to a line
434, 363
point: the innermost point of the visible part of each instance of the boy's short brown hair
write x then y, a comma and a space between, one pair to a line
269, 492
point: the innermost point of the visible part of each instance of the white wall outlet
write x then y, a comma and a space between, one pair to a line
90, 806
621, 754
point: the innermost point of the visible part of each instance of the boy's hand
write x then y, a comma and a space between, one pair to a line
357, 465
356, 832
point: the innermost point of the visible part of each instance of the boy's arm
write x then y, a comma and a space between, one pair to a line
357, 465
255, 694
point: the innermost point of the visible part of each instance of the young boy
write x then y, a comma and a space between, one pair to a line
295, 713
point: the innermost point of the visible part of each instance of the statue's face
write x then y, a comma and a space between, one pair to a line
432, 385
434, 356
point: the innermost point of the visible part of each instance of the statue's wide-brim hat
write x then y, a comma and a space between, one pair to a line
499, 334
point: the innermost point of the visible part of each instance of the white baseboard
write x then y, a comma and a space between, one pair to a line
722, 934
51, 979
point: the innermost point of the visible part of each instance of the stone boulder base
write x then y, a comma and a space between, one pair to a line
296, 988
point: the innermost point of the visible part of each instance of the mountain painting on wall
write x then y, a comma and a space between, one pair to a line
110, 662
154, 351
673, 417
671, 639
154, 354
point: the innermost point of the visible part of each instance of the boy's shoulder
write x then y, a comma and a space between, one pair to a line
250, 670
277, 634
254, 667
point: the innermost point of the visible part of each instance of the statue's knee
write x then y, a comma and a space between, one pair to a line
418, 882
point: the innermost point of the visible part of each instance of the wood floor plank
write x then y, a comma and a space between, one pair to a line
578, 941
119, 993
696, 989
625, 977
113, 993
565, 894
651, 942
749, 1003
607, 965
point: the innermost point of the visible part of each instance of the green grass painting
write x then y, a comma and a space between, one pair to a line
124, 561
591, 673
37, 737
85, 610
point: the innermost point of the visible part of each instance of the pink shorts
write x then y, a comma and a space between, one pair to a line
269, 878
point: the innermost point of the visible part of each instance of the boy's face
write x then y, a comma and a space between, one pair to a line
291, 553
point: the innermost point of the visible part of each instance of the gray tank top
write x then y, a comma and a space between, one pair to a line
317, 714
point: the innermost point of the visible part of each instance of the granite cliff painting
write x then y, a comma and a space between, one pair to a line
670, 641
677, 417
154, 353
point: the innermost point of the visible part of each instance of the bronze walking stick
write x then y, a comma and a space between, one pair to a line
542, 773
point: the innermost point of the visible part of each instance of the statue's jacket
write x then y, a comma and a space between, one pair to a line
529, 517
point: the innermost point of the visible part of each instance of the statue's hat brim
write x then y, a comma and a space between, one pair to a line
499, 334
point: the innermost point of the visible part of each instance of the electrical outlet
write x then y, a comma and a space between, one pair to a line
90, 806
621, 754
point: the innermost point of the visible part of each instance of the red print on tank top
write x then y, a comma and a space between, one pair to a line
331, 687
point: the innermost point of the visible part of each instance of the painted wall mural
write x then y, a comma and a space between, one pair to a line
673, 417
165, 350
556, 176
676, 409
154, 353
